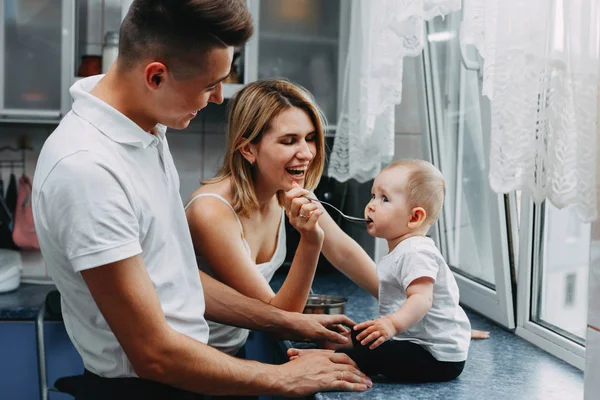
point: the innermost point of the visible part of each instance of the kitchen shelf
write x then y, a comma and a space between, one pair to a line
281, 37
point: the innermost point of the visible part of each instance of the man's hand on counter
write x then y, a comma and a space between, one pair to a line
321, 371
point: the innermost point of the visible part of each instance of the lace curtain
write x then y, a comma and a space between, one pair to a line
382, 32
541, 72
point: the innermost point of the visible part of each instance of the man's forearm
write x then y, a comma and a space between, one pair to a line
193, 366
227, 306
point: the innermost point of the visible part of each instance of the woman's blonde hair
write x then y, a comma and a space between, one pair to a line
249, 115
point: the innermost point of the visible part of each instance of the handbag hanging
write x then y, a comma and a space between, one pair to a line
24, 234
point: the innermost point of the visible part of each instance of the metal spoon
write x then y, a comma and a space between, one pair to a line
349, 218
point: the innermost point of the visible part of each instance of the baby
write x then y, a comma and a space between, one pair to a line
422, 334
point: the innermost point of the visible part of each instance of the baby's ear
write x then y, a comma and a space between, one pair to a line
418, 215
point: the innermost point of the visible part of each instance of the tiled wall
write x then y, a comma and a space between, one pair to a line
592, 365
198, 150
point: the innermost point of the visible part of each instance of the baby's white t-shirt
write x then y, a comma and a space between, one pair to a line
445, 331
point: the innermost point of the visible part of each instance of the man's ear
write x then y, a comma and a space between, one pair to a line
155, 74
418, 215
249, 152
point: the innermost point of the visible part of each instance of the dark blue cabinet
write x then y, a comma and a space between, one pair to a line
266, 349
18, 359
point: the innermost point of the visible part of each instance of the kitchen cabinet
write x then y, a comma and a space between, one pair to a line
265, 348
305, 41
44, 42
35, 59
18, 360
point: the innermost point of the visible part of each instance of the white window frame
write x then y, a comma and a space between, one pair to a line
494, 304
531, 242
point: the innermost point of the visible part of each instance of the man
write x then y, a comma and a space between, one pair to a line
113, 232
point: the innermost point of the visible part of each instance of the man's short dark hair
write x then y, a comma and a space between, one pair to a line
179, 33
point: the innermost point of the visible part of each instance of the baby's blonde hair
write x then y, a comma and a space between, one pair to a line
425, 186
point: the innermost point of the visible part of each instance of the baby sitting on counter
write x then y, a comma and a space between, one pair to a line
422, 334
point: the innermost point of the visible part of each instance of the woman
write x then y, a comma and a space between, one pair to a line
275, 155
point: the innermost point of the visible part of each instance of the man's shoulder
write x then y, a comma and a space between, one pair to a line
74, 133
72, 136
71, 153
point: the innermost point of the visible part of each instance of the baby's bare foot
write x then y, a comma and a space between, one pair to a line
475, 334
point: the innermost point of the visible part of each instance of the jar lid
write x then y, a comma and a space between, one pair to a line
111, 38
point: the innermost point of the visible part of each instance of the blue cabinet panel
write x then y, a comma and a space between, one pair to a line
18, 359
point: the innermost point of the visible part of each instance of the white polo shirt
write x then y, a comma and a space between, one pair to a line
105, 190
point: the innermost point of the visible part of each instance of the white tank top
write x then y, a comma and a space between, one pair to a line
230, 339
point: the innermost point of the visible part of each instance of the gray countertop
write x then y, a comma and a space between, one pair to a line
23, 303
502, 367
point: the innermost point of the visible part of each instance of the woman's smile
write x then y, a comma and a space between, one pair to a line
297, 171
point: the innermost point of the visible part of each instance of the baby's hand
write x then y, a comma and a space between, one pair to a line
381, 329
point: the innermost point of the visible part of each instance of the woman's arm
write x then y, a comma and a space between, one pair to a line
217, 237
346, 255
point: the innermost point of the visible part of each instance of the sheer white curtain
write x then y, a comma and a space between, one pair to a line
541, 73
382, 32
